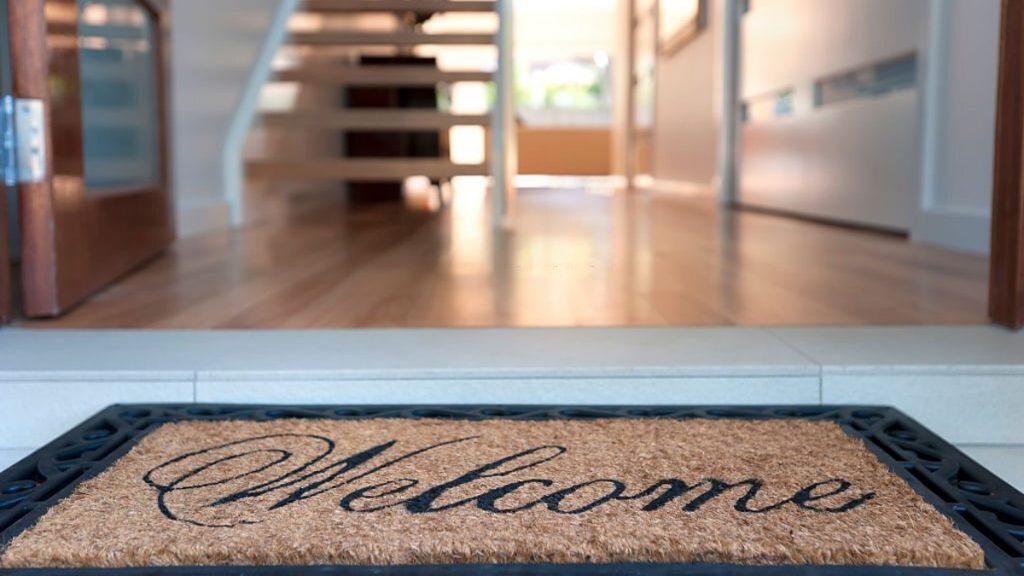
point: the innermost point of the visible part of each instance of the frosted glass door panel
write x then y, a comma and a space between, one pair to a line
120, 110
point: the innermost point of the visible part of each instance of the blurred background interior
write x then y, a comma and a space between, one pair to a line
671, 162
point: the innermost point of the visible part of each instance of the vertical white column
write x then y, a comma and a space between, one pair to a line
504, 152
932, 99
728, 142
623, 105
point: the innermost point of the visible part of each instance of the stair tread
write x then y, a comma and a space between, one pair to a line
397, 6
403, 38
368, 169
373, 119
379, 75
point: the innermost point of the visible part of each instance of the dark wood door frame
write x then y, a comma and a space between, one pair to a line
1006, 276
74, 243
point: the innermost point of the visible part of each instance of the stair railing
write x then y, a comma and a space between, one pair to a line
233, 153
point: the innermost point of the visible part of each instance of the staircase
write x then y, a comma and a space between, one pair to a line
333, 57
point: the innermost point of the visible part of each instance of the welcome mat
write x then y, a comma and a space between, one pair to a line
386, 491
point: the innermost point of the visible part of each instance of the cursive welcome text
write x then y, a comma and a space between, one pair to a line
265, 470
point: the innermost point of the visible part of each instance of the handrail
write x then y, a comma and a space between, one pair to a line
503, 158
234, 145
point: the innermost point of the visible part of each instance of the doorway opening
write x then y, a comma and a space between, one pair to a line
828, 189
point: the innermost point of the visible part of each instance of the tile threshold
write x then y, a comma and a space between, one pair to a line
507, 354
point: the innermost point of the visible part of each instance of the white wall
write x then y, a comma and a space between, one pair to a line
919, 161
215, 44
622, 87
855, 161
549, 29
959, 119
686, 127
798, 41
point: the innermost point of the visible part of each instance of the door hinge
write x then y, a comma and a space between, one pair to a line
22, 140
8, 160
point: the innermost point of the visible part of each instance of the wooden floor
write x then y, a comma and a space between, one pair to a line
574, 258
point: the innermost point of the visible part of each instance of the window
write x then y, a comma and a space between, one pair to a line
565, 91
563, 62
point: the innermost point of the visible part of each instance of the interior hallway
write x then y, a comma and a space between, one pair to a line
575, 258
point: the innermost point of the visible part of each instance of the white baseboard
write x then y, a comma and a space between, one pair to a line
964, 231
1007, 462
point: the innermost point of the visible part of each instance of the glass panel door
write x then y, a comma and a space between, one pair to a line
117, 66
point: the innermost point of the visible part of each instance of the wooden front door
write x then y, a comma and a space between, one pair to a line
100, 203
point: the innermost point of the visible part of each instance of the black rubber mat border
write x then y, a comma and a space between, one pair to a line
979, 503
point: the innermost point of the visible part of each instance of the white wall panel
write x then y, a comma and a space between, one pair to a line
857, 161
787, 42
215, 45
968, 105
959, 124
686, 124
611, 391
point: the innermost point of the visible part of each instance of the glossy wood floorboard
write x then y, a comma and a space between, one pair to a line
573, 258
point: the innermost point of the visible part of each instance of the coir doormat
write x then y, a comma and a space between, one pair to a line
385, 491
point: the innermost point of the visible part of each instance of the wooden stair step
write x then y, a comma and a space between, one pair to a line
363, 169
379, 75
373, 119
402, 38
423, 6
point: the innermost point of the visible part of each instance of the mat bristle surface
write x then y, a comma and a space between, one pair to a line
402, 491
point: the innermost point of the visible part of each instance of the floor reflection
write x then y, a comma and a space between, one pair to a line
578, 254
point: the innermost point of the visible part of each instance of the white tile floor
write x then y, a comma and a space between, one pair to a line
962, 408
9, 457
423, 353
33, 413
934, 348
966, 383
1007, 462
592, 391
